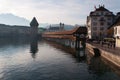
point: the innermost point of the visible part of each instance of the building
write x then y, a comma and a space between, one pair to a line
55, 28
114, 31
98, 21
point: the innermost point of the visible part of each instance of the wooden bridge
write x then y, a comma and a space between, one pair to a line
73, 38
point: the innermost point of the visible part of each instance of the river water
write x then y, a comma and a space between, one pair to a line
24, 60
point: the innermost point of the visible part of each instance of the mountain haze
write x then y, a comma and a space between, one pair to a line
11, 19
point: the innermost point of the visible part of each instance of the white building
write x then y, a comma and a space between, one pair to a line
117, 32
98, 21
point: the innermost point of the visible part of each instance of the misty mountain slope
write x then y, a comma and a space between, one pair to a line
11, 19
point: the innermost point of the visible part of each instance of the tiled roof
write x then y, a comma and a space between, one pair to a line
69, 32
117, 22
101, 9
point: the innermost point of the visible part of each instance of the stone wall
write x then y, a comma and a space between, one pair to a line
111, 57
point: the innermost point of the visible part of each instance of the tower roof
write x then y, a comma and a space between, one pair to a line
34, 22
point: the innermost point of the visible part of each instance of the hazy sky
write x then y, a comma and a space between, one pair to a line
55, 11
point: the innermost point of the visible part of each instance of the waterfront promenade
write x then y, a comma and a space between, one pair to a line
115, 51
110, 53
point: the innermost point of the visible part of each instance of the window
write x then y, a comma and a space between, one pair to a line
109, 23
97, 13
94, 28
95, 23
94, 33
101, 28
102, 23
95, 18
106, 14
119, 31
102, 19
102, 13
115, 30
109, 18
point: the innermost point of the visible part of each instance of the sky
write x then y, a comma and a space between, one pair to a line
56, 11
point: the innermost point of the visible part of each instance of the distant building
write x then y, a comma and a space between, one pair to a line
98, 21
59, 27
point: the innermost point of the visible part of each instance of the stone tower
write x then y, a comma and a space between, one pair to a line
34, 27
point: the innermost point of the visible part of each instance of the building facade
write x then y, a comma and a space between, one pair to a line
114, 31
117, 34
98, 21
55, 28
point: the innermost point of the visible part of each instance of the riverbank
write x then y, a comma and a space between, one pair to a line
111, 55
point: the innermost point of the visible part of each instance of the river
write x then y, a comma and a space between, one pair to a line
24, 60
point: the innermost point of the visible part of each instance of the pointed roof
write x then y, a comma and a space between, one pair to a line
34, 22
101, 8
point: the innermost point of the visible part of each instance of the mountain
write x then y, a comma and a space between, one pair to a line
43, 25
11, 19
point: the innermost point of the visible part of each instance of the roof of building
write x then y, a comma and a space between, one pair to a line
117, 22
118, 13
80, 30
101, 8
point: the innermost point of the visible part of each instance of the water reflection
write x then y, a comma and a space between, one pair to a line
34, 47
96, 66
80, 55
54, 63
4, 42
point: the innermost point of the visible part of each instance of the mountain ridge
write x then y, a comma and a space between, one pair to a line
11, 19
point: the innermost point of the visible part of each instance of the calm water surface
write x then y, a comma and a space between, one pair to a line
24, 60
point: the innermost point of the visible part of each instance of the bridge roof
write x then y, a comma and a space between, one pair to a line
71, 37
77, 30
